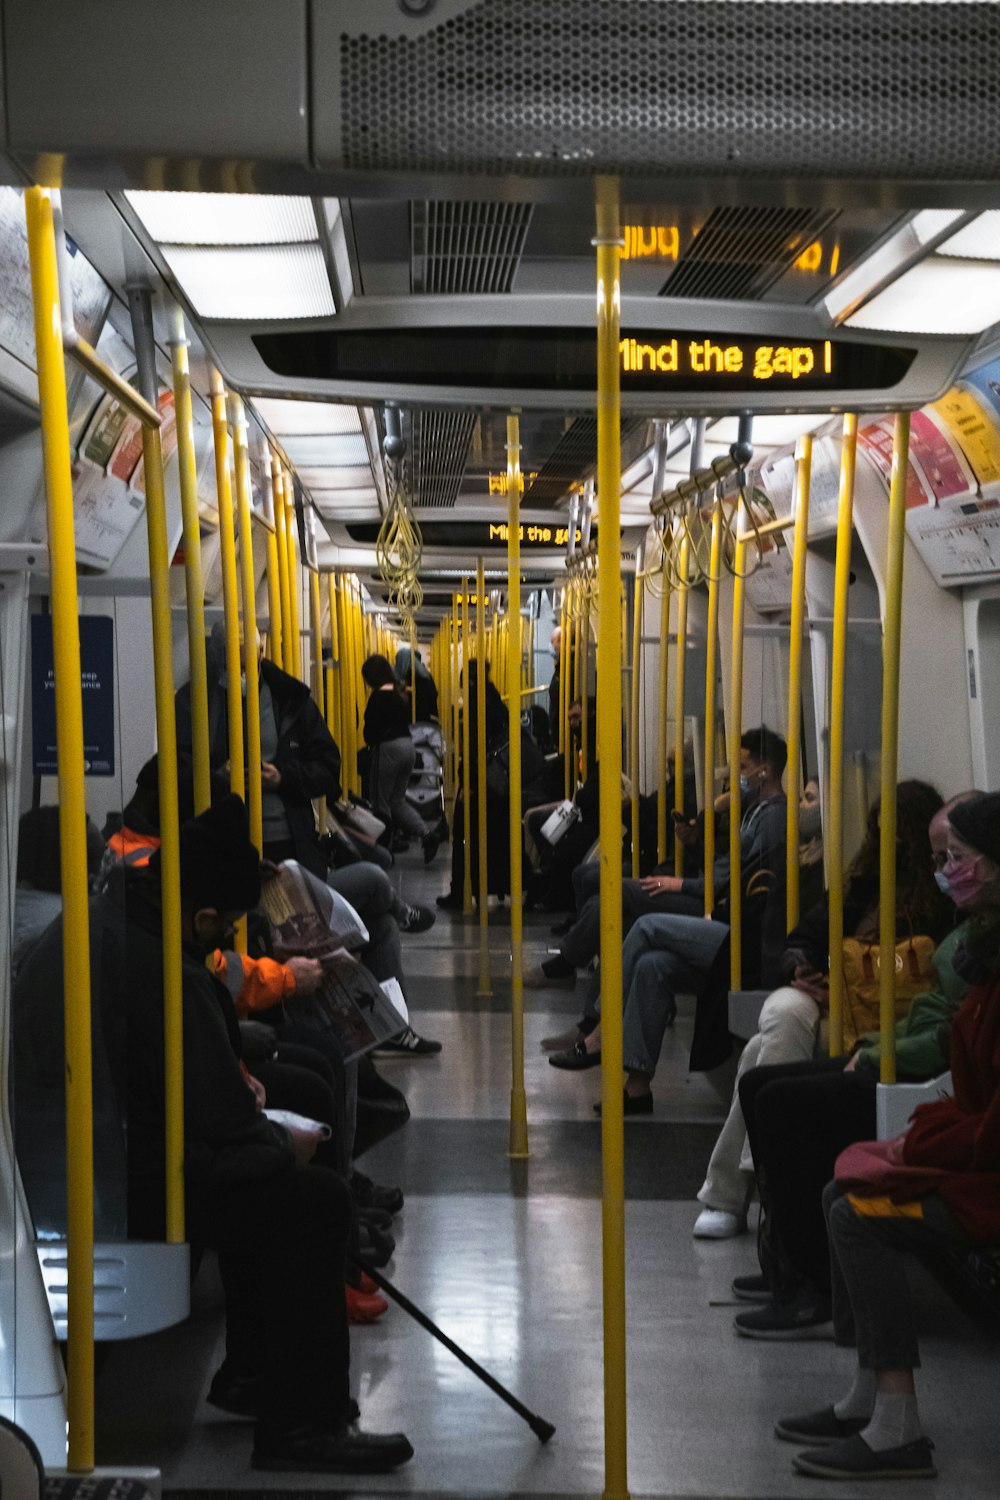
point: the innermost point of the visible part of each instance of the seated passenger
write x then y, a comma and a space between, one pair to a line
800, 1116
790, 1020
394, 755
279, 1225
762, 834
38, 897
936, 1188
299, 757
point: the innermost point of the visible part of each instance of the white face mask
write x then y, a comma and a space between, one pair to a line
944, 884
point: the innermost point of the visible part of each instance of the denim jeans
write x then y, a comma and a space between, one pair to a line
663, 956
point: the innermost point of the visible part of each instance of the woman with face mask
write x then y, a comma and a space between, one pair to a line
791, 1017
934, 1189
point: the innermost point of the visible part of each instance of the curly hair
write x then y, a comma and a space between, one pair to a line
920, 905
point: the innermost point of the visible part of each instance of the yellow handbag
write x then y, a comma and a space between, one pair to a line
861, 982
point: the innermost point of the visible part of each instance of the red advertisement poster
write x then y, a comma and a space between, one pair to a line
876, 444
939, 458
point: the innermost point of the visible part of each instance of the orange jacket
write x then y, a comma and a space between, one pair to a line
254, 983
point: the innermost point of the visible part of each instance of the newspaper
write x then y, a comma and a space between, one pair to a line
309, 920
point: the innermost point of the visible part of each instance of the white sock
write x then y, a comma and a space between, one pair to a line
860, 1399
894, 1422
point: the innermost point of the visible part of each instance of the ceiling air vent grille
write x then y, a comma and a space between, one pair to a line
571, 460
439, 443
472, 247
773, 88
740, 252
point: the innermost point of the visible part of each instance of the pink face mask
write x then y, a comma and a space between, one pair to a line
964, 885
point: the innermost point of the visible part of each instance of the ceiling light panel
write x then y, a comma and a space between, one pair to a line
769, 431
343, 478
225, 218
937, 296
889, 258
306, 418
348, 449
979, 240
259, 282
327, 500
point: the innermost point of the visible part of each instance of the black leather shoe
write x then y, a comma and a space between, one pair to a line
369, 1194
375, 1247
576, 1058
635, 1104
346, 1450
235, 1393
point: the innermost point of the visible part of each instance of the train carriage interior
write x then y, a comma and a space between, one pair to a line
544, 459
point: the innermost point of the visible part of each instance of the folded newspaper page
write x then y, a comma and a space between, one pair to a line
304, 924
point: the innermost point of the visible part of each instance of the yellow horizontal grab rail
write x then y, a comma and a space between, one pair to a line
88, 359
784, 523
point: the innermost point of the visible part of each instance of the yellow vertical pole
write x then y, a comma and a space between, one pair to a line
803, 479
166, 734
466, 756
230, 599
333, 671
584, 686
413, 671
273, 573
609, 721
835, 811
485, 988
455, 707
194, 586
637, 610
72, 827
319, 679
518, 1145
735, 735
248, 593
680, 685
352, 698
294, 573
891, 635
564, 687
711, 648
576, 696
661, 720
287, 662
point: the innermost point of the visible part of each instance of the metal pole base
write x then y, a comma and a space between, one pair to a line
518, 1140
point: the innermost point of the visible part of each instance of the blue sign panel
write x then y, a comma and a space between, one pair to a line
97, 680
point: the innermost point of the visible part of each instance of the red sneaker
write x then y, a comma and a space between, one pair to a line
364, 1307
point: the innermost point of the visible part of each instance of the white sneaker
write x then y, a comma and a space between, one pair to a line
718, 1224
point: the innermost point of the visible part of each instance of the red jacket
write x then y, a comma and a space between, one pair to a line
952, 1147
960, 1137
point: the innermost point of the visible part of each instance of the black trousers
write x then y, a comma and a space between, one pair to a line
799, 1117
301, 1079
281, 1242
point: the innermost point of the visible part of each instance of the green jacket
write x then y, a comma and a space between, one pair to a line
922, 1040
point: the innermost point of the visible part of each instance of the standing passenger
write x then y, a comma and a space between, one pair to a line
394, 755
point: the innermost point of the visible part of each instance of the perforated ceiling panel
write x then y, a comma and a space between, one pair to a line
440, 443
739, 87
466, 247
739, 252
571, 460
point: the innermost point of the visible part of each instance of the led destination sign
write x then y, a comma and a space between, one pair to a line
481, 535
689, 360
565, 359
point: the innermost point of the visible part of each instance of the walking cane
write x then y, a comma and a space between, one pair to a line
543, 1430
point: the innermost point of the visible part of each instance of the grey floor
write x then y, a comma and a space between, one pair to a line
506, 1257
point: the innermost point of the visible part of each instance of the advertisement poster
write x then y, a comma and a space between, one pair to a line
934, 451
97, 679
972, 427
876, 442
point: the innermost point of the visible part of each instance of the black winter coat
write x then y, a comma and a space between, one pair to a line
307, 754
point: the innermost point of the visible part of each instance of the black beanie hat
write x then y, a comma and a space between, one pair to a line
977, 822
220, 867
